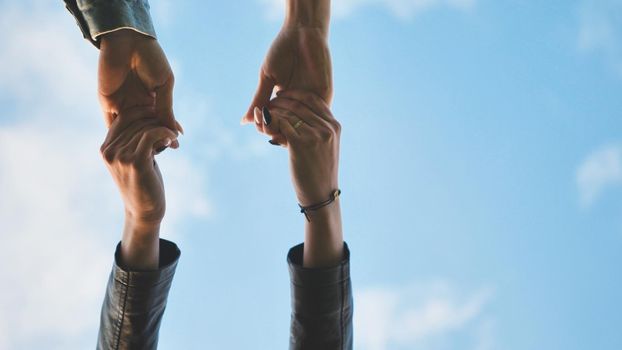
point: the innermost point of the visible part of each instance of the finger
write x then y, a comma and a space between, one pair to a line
179, 127
271, 127
257, 118
309, 99
151, 141
301, 110
128, 122
265, 118
261, 98
282, 123
164, 103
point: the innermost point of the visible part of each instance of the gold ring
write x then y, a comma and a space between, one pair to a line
298, 124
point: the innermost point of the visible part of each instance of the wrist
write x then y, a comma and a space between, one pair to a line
140, 245
124, 36
141, 226
308, 14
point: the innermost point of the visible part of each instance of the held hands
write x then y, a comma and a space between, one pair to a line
134, 138
312, 134
134, 72
299, 58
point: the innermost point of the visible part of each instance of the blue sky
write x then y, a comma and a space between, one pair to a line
481, 175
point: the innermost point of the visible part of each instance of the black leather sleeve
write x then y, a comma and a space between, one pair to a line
321, 304
135, 302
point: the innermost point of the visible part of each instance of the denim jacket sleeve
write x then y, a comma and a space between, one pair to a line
135, 302
321, 304
98, 17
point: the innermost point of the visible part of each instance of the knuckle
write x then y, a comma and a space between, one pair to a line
126, 159
325, 135
107, 153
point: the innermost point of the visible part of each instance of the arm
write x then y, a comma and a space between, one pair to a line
133, 69
144, 264
299, 57
319, 268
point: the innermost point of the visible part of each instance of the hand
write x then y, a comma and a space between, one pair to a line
312, 134
134, 72
299, 58
132, 141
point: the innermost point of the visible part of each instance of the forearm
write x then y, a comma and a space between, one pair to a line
323, 237
308, 13
140, 245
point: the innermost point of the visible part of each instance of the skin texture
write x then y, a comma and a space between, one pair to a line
134, 72
299, 57
314, 165
133, 139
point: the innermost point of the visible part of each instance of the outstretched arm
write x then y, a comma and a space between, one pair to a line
320, 267
144, 264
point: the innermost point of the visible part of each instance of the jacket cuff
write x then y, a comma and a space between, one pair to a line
169, 255
135, 302
319, 291
98, 17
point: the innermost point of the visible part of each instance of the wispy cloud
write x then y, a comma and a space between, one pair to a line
417, 315
600, 170
60, 214
403, 9
600, 31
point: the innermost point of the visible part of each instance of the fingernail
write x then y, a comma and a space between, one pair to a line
274, 143
267, 117
179, 127
257, 114
166, 144
243, 121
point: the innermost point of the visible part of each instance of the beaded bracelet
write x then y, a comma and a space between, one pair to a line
313, 207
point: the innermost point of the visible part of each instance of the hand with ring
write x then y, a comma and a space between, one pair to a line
302, 122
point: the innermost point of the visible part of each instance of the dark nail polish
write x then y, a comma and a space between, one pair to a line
160, 149
267, 118
274, 143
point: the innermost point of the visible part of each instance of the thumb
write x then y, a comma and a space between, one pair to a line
164, 103
262, 97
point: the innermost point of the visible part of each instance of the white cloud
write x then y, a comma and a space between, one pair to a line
60, 214
599, 171
414, 316
404, 9
600, 31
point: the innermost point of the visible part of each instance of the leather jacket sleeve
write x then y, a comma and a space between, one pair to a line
135, 302
321, 304
98, 17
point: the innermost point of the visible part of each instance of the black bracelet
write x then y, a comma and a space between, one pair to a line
333, 197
